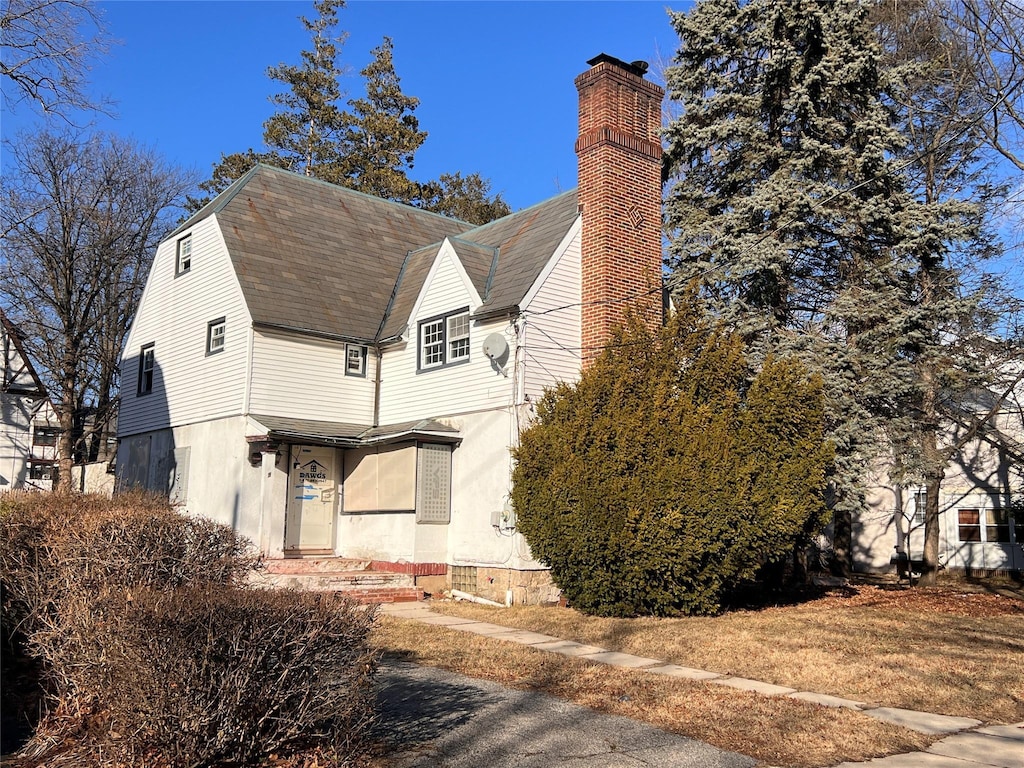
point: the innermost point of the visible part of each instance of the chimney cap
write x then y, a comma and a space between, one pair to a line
638, 68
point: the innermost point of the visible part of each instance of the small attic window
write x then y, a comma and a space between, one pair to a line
183, 263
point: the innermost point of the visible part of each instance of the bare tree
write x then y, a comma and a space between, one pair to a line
48, 47
81, 217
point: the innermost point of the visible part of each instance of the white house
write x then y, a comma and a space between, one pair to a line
28, 424
335, 374
981, 522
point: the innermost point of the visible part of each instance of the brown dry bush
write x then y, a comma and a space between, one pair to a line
151, 649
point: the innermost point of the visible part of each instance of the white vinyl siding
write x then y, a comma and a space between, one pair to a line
174, 315
304, 378
552, 340
409, 393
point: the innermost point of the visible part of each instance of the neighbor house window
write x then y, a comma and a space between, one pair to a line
444, 340
215, 335
970, 524
998, 528
147, 361
184, 260
355, 360
45, 436
920, 504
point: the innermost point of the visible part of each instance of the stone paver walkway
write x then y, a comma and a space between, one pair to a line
966, 745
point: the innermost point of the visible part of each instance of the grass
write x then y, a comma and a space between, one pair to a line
938, 650
777, 731
947, 650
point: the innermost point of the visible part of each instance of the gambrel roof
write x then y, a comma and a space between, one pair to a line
318, 258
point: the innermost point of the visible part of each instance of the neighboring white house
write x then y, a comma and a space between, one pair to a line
28, 425
335, 374
981, 528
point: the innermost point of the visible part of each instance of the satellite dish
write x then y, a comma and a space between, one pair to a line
495, 347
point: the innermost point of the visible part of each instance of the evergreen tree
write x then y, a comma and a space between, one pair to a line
670, 475
381, 133
467, 198
306, 132
789, 209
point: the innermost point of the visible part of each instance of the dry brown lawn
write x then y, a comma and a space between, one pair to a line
941, 650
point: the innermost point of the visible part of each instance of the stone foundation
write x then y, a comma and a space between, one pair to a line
528, 587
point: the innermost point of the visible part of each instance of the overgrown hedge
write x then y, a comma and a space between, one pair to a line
671, 473
151, 650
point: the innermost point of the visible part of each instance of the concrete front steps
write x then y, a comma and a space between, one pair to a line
360, 580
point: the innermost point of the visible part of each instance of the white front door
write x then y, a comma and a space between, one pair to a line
312, 499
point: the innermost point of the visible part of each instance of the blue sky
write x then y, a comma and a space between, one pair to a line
494, 79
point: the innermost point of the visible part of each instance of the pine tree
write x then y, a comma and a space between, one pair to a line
381, 133
788, 208
306, 133
467, 198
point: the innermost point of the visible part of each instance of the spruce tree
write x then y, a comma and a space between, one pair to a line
788, 208
381, 134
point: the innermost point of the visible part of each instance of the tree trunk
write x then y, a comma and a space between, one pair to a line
842, 542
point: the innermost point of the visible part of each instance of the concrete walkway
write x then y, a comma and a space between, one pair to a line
966, 745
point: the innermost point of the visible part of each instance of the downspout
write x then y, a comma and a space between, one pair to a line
376, 385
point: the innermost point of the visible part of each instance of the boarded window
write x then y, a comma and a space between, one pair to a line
380, 479
433, 483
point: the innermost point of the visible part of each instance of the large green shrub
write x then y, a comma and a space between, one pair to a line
670, 473
150, 649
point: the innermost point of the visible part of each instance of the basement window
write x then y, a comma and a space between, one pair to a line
464, 578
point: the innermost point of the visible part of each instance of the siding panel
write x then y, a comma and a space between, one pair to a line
188, 385
304, 378
552, 340
471, 386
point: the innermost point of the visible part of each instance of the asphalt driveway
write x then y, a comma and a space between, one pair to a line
433, 718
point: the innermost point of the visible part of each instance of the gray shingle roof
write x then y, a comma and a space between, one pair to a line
338, 433
318, 257
502, 258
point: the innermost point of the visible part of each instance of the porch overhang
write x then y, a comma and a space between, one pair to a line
280, 429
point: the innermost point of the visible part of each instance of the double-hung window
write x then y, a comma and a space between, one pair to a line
183, 263
444, 340
355, 360
147, 362
215, 330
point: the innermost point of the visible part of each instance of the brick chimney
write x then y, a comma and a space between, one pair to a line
619, 153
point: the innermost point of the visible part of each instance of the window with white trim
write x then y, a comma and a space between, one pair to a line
920, 506
355, 360
183, 263
991, 524
147, 363
444, 340
215, 330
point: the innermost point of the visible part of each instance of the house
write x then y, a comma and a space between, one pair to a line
981, 498
28, 424
338, 375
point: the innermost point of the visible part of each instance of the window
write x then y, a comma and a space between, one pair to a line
184, 261
39, 471
215, 335
45, 436
355, 360
970, 524
433, 483
920, 504
998, 528
147, 362
444, 340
